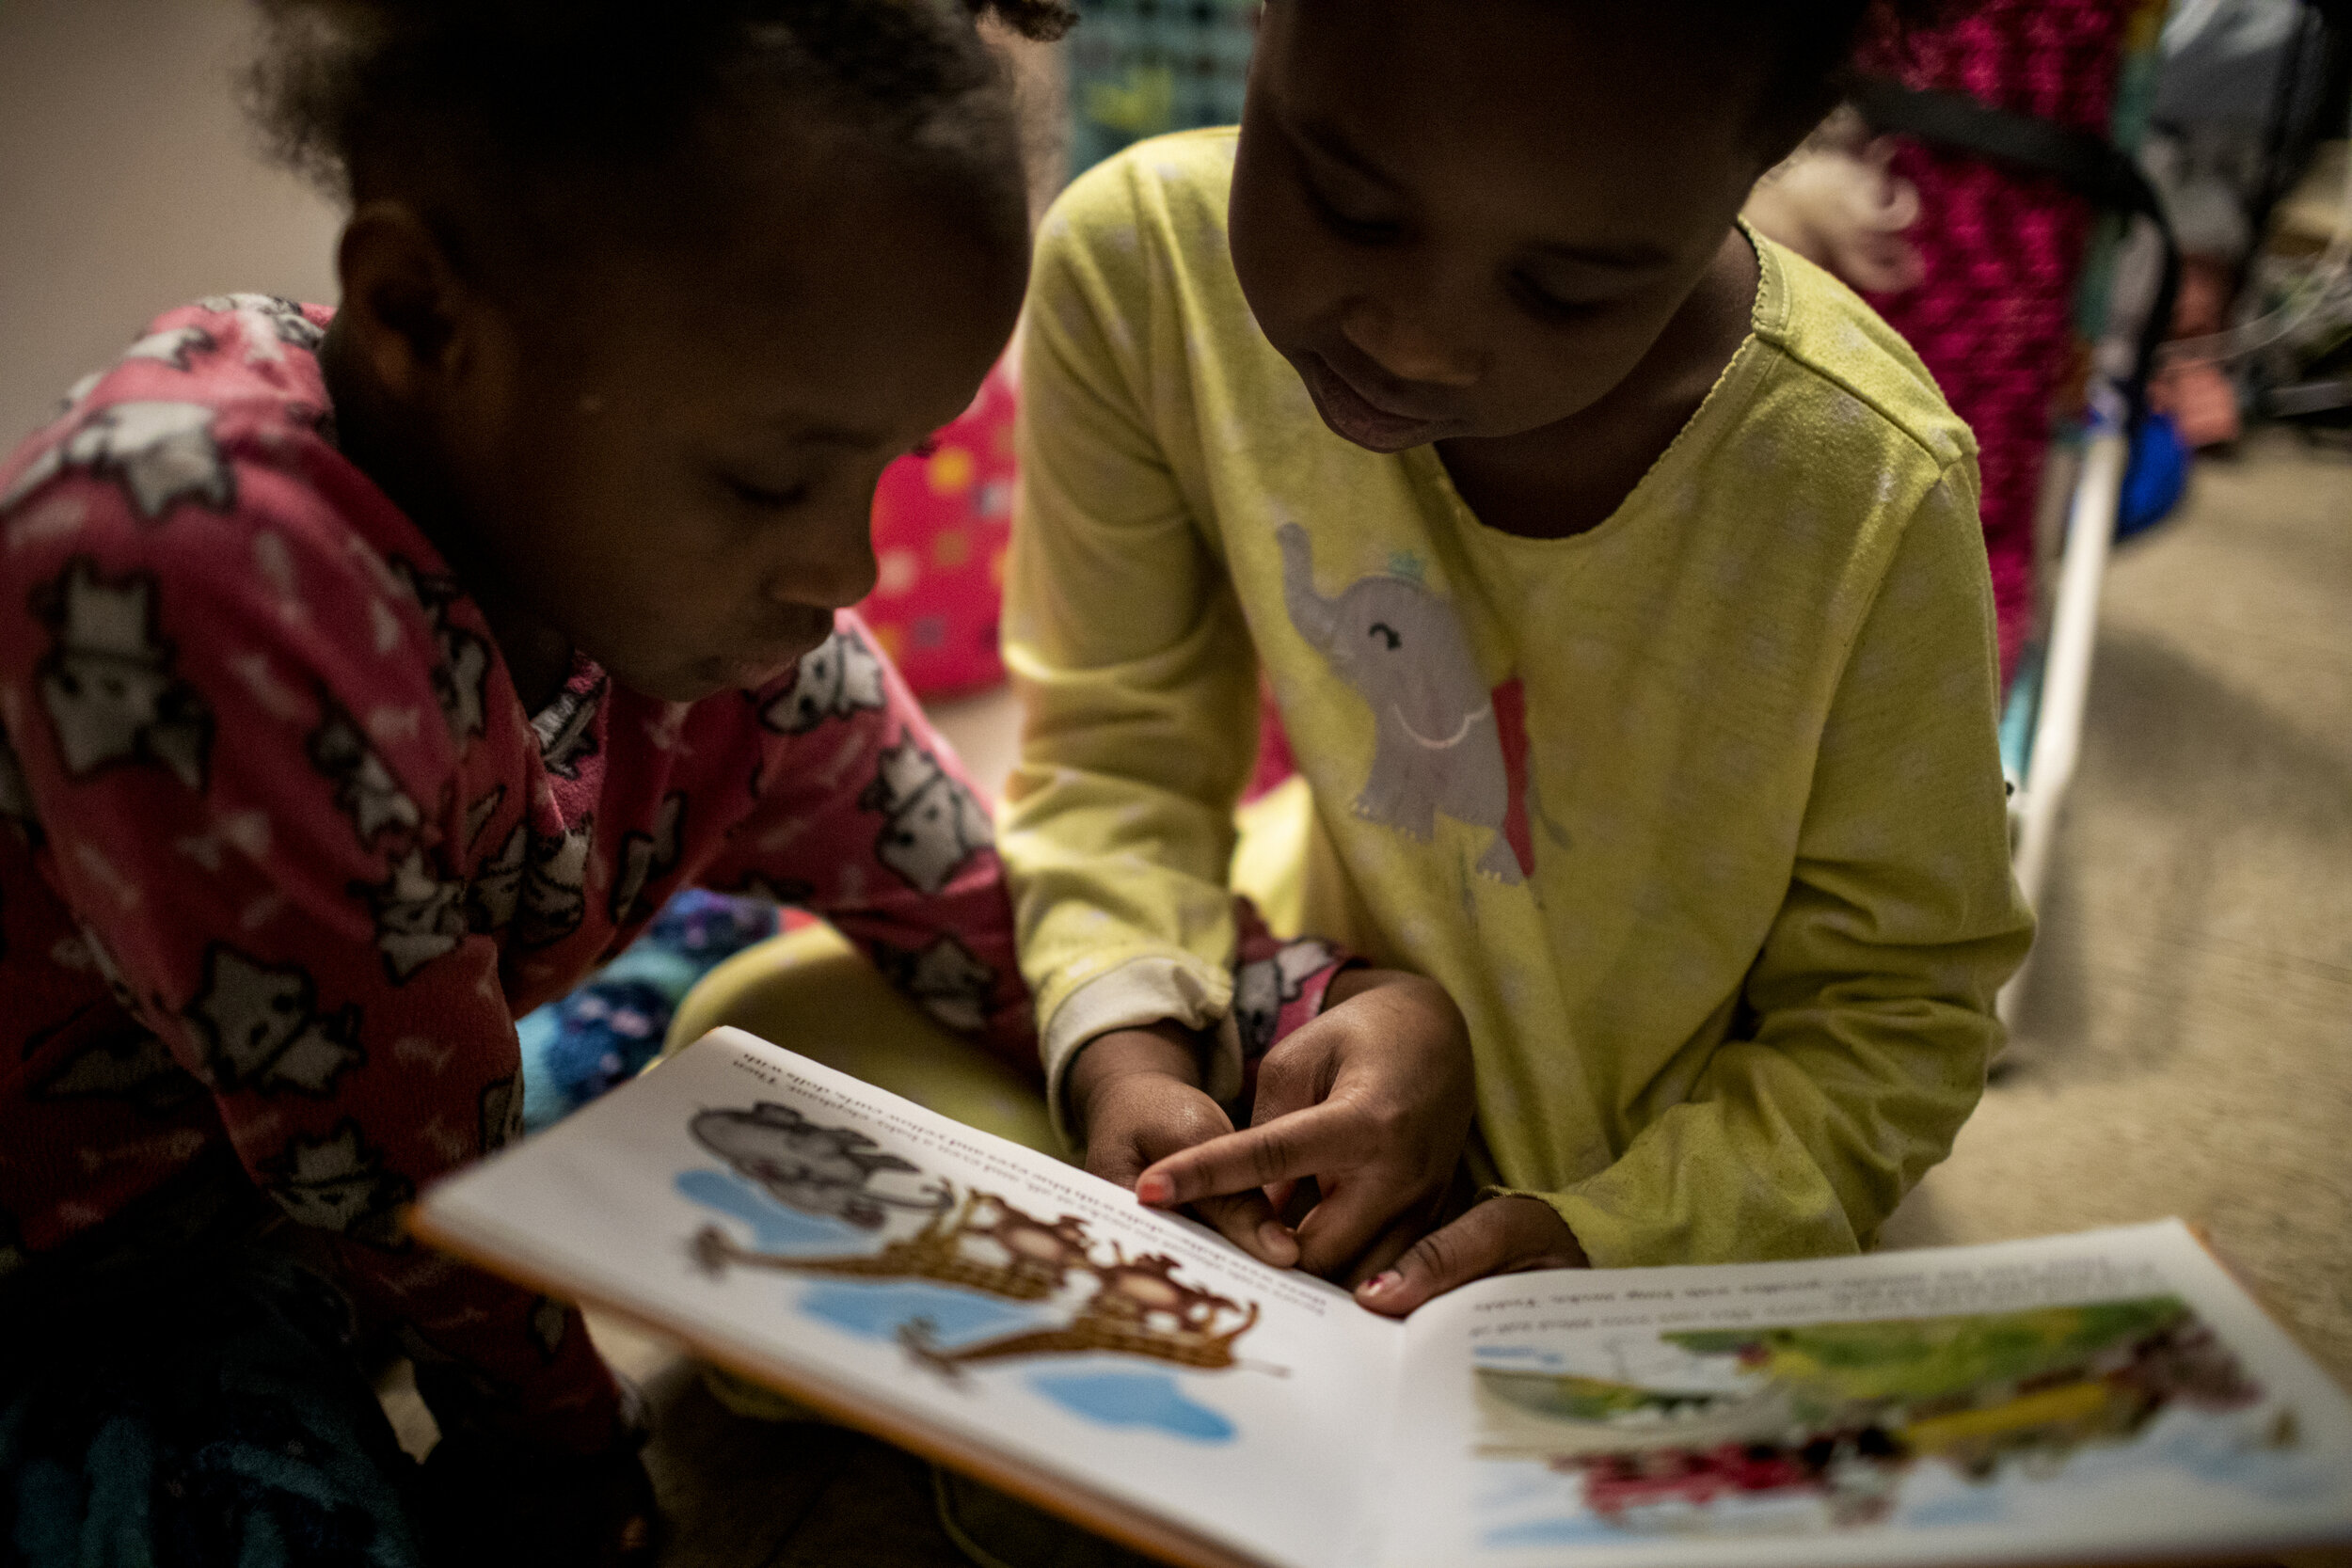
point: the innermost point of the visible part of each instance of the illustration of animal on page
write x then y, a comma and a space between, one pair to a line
960, 1281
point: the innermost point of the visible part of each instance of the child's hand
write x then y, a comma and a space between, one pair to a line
1502, 1235
1135, 1094
1371, 1101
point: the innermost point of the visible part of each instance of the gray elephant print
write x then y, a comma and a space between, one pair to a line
838, 680
160, 453
261, 1027
418, 917
646, 858
339, 1182
110, 681
935, 824
829, 1171
1439, 747
553, 897
268, 321
1262, 989
944, 979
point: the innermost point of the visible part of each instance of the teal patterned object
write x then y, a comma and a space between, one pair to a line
1142, 68
603, 1034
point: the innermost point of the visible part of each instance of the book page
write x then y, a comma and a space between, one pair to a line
2106, 1395
954, 1292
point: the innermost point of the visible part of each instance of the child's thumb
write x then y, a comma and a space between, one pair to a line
1502, 1235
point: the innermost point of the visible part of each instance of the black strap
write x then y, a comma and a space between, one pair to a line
2087, 163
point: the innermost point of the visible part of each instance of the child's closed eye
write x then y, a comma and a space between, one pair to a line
1355, 230
1545, 305
767, 498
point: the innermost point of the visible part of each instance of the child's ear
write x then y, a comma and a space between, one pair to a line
405, 307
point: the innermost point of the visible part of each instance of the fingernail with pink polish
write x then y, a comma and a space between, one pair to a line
1155, 1190
1380, 1284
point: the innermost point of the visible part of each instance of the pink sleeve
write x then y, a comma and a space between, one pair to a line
865, 817
246, 786
1279, 986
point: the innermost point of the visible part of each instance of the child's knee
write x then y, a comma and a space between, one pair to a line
810, 991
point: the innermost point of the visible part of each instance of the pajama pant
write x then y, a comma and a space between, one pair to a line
190, 1394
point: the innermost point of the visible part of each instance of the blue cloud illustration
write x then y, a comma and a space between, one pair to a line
774, 1227
1568, 1529
1133, 1400
876, 1311
1981, 1505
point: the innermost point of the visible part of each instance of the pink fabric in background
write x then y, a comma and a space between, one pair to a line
942, 523
1993, 316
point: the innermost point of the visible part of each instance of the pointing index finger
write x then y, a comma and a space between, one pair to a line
1314, 1142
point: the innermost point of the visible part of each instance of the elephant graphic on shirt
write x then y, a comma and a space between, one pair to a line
1402, 648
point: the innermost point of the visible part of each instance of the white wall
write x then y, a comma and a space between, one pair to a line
130, 183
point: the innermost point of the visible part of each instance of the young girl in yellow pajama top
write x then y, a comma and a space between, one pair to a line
1618, 576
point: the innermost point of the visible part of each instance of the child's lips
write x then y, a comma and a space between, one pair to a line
777, 659
1357, 418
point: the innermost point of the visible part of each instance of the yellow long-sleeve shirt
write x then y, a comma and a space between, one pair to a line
1698, 814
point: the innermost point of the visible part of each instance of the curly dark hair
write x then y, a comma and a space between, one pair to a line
356, 93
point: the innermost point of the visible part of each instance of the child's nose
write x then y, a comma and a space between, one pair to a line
833, 566
1408, 352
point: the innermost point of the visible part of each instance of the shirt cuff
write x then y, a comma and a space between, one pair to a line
1581, 1219
1140, 992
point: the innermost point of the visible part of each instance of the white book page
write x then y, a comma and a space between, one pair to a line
912, 1272
2110, 1395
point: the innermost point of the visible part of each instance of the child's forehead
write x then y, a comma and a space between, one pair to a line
1532, 101
830, 311
764, 190
781, 238
1531, 71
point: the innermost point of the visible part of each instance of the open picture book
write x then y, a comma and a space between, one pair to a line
2108, 1395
